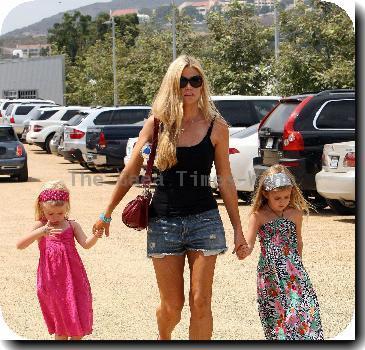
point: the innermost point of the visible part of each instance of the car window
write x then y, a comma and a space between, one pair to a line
129, 116
236, 113
336, 114
7, 134
46, 114
6, 105
69, 114
77, 119
279, 116
9, 109
23, 110
103, 118
263, 107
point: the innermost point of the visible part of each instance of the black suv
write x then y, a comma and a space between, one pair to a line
295, 131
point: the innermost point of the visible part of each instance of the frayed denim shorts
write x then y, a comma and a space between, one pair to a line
175, 235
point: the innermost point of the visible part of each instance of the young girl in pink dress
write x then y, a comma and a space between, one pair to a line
63, 288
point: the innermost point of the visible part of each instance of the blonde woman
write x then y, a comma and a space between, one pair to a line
287, 302
184, 217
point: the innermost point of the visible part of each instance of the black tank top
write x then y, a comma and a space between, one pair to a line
184, 189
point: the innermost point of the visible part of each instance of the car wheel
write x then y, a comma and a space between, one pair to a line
47, 146
340, 208
23, 175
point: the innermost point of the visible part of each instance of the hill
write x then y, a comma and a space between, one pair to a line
41, 28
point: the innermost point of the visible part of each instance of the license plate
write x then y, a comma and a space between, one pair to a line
334, 162
269, 142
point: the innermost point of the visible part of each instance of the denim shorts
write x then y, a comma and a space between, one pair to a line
175, 235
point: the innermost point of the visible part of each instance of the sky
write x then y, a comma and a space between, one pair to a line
44, 9
64, 5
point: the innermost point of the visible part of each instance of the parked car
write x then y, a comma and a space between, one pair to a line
56, 144
41, 131
40, 113
16, 114
243, 147
13, 157
75, 137
294, 134
336, 180
106, 145
243, 111
5, 103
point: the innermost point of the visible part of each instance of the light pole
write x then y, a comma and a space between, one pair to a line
173, 31
112, 22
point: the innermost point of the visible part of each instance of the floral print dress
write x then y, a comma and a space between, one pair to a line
287, 302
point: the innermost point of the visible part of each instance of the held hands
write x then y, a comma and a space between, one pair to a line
241, 248
100, 227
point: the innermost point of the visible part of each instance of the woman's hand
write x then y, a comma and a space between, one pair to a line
241, 247
100, 226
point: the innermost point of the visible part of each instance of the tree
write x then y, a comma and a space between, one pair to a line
193, 13
240, 51
317, 49
72, 35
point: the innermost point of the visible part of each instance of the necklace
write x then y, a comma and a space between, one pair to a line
280, 216
190, 122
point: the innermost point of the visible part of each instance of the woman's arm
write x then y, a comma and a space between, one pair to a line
227, 188
85, 241
129, 174
38, 231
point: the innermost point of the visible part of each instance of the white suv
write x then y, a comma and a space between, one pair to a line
4, 103
16, 114
74, 145
41, 131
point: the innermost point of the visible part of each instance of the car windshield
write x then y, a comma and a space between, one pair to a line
246, 132
279, 116
7, 134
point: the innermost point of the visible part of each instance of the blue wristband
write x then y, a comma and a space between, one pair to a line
103, 218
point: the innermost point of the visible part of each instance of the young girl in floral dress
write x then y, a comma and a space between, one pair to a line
287, 302
63, 288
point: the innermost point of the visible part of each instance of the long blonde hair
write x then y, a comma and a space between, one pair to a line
297, 199
168, 108
51, 185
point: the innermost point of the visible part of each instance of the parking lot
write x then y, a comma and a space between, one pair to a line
122, 279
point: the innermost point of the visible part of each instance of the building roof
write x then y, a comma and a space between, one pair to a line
123, 12
32, 46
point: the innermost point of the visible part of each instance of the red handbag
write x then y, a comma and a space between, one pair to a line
135, 213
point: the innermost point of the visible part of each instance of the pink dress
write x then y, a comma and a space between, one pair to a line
63, 288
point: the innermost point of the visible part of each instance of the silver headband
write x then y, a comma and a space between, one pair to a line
276, 180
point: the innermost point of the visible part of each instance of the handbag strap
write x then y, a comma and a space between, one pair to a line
148, 176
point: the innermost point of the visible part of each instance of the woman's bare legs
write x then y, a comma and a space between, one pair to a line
169, 272
200, 296
60, 337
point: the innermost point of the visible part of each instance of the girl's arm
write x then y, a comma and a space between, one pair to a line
298, 223
226, 184
129, 174
253, 227
38, 231
86, 242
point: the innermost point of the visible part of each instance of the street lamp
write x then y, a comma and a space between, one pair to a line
173, 31
112, 22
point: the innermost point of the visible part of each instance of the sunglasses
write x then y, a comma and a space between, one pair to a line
195, 81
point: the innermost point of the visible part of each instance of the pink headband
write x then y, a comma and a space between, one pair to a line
53, 195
